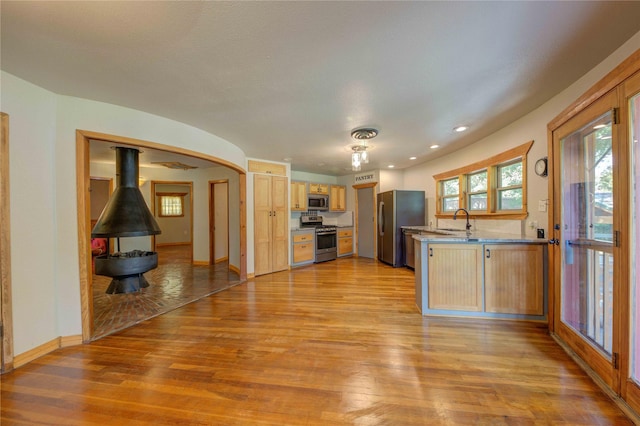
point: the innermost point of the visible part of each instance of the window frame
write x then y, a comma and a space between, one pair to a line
470, 193
491, 165
179, 195
449, 196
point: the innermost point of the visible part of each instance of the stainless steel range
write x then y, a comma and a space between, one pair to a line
326, 237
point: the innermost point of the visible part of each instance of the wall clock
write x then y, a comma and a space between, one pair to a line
541, 167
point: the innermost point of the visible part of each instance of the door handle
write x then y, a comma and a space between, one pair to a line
488, 254
554, 241
430, 252
381, 218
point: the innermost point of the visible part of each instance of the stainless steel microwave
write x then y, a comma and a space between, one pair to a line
317, 202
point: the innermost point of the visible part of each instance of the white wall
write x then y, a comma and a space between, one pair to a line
46, 297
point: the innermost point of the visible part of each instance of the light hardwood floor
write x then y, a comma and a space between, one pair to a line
330, 344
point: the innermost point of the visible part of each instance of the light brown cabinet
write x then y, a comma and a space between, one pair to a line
298, 196
455, 277
319, 188
265, 167
494, 280
338, 198
303, 248
513, 279
270, 223
345, 242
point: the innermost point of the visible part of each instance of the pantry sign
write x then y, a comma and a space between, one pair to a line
368, 177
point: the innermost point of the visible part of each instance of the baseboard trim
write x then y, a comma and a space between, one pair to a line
200, 263
251, 276
45, 348
234, 268
222, 259
186, 243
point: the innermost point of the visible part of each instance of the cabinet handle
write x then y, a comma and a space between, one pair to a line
430, 252
488, 254
274, 213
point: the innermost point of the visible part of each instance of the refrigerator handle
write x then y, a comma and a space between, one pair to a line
381, 218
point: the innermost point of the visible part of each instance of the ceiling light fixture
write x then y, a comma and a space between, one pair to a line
412, 158
460, 129
360, 154
434, 146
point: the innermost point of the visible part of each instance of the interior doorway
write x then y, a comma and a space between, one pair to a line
84, 141
366, 220
172, 206
218, 221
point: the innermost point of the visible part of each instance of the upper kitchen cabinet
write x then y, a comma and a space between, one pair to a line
338, 198
268, 168
319, 188
298, 196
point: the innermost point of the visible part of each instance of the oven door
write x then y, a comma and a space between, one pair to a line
326, 245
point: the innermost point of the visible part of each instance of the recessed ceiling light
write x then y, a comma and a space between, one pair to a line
460, 128
391, 166
412, 158
434, 146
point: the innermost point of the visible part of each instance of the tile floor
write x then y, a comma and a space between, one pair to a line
174, 283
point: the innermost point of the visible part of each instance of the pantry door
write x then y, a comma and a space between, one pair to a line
585, 236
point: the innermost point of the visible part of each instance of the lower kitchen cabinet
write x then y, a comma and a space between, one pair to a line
502, 280
455, 277
513, 279
345, 242
303, 247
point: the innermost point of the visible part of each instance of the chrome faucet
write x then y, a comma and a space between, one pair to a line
468, 225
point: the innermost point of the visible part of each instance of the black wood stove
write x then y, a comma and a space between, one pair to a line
126, 215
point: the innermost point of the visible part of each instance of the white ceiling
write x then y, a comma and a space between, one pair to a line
292, 79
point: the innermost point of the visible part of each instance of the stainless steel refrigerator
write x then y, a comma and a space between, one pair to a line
395, 209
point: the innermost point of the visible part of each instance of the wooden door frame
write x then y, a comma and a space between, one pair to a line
212, 221
614, 80
153, 196
6, 316
83, 138
375, 216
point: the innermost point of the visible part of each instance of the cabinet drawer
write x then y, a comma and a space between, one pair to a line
302, 252
301, 238
345, 245
345, 233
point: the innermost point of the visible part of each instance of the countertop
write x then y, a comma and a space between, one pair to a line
455, 236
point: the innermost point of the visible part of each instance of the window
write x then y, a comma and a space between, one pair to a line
477, 191
450, 195
509, 188
493, 188
171, 204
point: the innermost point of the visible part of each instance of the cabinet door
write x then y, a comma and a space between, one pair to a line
280, 224
262, 228
319, 188
455, 277
514, 279
345, 246
270, 223
338, 199
298, 196
303, 252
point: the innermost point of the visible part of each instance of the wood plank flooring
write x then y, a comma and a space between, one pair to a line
339, 343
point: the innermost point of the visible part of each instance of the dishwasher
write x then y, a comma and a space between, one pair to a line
409, 252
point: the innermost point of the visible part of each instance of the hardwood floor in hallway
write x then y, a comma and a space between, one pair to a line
338, 343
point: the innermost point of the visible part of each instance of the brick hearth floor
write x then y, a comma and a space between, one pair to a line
174, 283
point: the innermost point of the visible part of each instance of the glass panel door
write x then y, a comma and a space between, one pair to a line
584, 231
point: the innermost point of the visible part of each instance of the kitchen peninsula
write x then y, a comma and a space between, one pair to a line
480, 274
